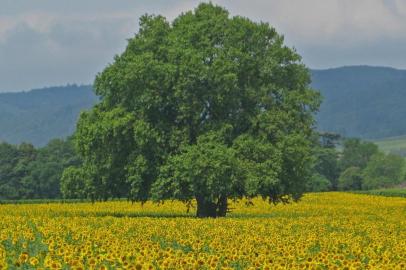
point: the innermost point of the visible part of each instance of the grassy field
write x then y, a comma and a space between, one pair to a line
396, 145
323, 231
392, 192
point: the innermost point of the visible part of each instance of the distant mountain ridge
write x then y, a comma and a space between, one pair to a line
362, 101
359, 101
40, 115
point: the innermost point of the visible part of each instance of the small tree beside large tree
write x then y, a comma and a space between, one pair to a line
206, 108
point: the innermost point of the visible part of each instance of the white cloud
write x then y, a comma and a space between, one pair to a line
328, 21
40, 49
57, 42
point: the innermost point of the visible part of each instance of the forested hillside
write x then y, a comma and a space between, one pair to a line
40, 115
361, 101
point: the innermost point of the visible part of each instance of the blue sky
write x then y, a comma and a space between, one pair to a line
55, 42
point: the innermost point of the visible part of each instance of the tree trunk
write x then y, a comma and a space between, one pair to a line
222, 206
210, 209
206, 208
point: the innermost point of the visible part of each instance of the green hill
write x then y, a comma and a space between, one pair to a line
394, 145
359, 101
40, 115
362, 101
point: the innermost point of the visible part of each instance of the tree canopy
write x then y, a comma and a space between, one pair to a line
206, 107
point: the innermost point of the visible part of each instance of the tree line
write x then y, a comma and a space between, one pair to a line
52, 172
353, 164
27, 172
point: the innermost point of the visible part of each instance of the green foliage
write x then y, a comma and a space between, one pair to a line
326, 162
390, 192
208, 171
318, 183
105, 142
263, 164
30, 173
350, 179
360, 165
207, 107
383, 171
13, 164
327, 165
357, 153
73, 183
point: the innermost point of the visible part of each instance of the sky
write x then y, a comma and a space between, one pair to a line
56, 42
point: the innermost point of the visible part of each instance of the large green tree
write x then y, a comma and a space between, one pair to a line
207, 107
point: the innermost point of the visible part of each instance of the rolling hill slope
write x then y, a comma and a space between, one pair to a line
394, 145
359, 101
40, 115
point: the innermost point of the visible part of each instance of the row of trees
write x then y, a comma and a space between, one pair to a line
352, 164
30, 173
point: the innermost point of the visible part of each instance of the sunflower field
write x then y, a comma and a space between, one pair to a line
322, 231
